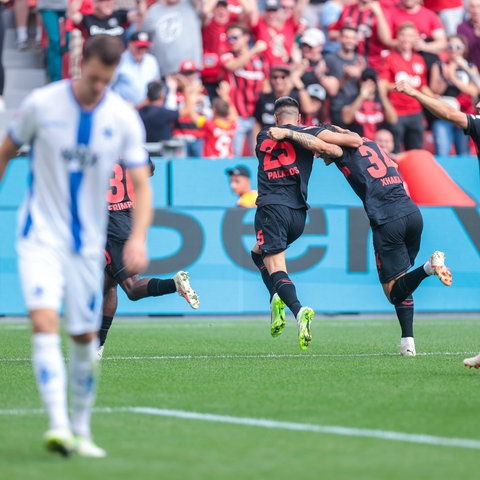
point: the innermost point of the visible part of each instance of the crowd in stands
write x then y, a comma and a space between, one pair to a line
207, 72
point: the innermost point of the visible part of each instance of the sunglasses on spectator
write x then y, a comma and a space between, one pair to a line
453, 46
276, 77
232, 38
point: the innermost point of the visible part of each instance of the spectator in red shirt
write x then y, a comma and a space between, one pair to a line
371, 108
431, 39
368, 17
219, 130
245, 72
185, 128
403, 63
277, 27
215, 19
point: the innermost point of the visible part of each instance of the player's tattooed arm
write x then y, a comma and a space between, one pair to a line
306, 140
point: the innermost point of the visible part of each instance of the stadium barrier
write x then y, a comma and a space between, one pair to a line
198, 229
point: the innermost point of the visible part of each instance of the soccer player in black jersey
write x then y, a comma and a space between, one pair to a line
284, 168
397, 226
120, 205
470, 125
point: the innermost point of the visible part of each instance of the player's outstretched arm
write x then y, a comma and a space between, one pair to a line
438, 107
8, 150
341, 137
306, 140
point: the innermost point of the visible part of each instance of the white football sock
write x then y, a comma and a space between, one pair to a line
50, 374
428, 268
83, 372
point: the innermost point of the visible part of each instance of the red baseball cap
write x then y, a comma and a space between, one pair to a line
188, 66
140, 39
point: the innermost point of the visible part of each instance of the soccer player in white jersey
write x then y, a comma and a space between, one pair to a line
77, 130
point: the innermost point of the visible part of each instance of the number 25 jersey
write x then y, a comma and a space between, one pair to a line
284, 169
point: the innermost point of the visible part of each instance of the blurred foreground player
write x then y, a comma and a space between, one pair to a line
77, 130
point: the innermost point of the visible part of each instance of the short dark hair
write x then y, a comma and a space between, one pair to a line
106, 48
286, 105
241, 26
154, 90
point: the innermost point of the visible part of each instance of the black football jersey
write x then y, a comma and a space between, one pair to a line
374, 178
284, 169
473, 129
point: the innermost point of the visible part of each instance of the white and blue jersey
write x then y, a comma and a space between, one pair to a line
72, 155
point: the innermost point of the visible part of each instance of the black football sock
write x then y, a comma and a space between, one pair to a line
157, 287
405, 316
406, 285
103, 332
286, 291
258, 261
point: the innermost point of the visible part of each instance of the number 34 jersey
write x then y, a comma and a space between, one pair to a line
374, 178
284, 169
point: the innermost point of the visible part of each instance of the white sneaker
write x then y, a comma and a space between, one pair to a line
437, 262
86, 448
472, 362
59, 440
407, 347
100, 352
182, 283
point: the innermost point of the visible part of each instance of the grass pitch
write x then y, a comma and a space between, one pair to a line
218, 398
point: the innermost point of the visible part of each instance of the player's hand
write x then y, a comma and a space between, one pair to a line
403, 86
135, 256
276, 133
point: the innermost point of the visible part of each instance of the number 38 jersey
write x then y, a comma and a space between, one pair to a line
374, 178
284, 169
121, 200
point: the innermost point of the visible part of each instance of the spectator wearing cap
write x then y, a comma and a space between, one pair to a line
285, 80
371, 109
185, 127
175, 26
347, 66
277, 26
105, 19
316, 76
245, 72
240, 186
219, 130
137, 68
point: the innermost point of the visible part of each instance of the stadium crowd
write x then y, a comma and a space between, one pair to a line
219, 65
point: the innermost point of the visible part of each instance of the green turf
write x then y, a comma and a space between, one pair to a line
352, 376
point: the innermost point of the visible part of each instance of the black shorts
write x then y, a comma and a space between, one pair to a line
278, 226
396, 245
114, 258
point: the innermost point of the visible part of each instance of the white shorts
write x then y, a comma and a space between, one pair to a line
51, 277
